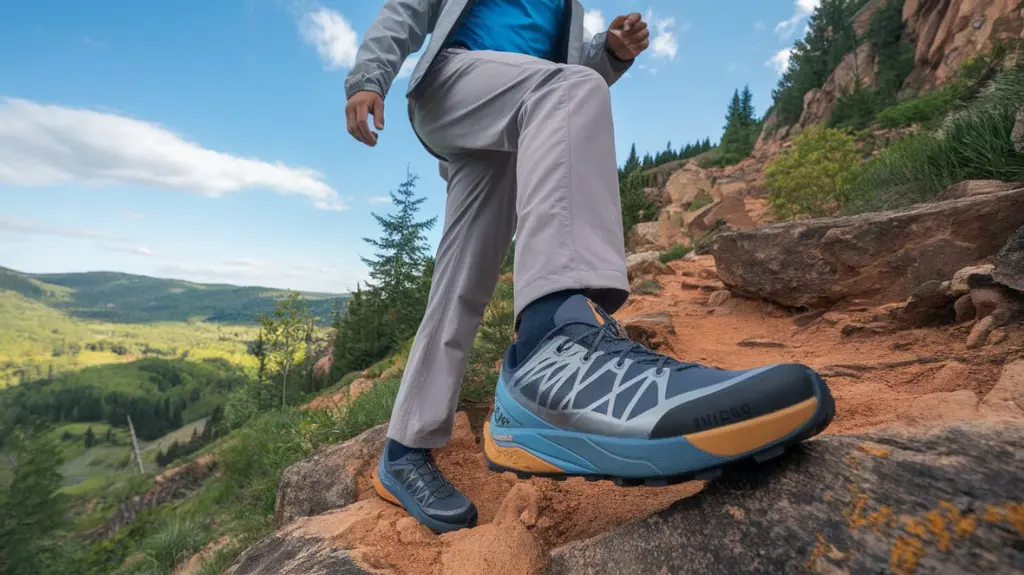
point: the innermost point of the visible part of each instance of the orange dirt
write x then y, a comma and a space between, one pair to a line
913, 378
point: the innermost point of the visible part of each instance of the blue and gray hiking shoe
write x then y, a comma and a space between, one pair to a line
589, 402
414, 482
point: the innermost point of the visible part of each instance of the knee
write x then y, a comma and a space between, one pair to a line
587, 80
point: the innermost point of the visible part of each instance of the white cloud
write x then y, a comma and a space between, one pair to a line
377, 200
46, 145
134, 250
663, 38
593, 24
804, 8
134, 215
780, 61
333, 36
12, 226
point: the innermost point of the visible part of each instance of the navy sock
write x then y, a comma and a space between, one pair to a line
536, 320
396, 451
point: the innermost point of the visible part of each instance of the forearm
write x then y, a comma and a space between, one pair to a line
398, 31
597, 56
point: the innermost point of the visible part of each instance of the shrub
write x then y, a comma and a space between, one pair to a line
973, 143
921, 110
701, 201
674, 253
492, 340
813, 175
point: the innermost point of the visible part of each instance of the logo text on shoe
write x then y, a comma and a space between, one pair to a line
722, 417
500, 418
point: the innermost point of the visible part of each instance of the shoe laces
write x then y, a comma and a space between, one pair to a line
612, 333
437, 484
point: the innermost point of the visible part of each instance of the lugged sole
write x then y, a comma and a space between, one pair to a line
703, 455
413, 508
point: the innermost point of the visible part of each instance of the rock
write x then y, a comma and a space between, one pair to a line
330, 478
646, 264
947, 34
1007, 397
1018, 132
651, 330
986, 300
685, 184
719, 298
764, 343
875, 257
929, 305
960, 284
941, 408
970, 188
871, 328
998, 318
646, 287
644, 236
172, 485
855, 68
893, 502
700, 284
964, 308
1009, 262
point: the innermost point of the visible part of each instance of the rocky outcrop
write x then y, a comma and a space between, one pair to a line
172, 485
645, 265
645, 237
877, 257
1009, 264
894, 502
948, 32
856, 68
970, 188
329, 479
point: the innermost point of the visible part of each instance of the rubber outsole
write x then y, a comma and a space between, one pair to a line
821, 419
398, 497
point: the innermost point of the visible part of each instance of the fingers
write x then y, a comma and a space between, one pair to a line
632, 20
617, 23
378, 113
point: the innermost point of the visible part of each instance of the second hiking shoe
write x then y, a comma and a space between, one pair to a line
589, 402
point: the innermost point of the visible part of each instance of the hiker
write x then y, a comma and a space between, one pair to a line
515, 104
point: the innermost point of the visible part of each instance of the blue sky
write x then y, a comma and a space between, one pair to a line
205, 140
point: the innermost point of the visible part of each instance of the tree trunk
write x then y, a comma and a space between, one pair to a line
284, 386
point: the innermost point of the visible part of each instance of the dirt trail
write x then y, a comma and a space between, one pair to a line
911, 378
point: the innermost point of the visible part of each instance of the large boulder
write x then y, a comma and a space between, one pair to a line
330, 478
1009, 263
881, 256
892, 502
643, 237
646, 265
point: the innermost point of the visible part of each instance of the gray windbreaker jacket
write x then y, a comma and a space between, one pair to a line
402, 26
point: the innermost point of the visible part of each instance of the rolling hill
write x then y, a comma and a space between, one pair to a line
126, 298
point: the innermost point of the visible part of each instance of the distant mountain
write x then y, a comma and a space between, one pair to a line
128, 298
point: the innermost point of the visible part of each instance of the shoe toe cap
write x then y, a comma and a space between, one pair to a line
756, 393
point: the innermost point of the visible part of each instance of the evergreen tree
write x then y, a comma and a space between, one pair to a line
741, 127
400, 256
31, 507
90, 437
632, 162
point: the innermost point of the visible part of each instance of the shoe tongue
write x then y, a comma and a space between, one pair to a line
579, 309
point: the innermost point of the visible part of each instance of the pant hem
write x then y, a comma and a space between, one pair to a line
611, 288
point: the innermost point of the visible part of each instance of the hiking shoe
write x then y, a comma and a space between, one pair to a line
414, 483
589, 402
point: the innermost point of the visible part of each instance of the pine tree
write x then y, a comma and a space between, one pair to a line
31, 507
632, 162
90, 437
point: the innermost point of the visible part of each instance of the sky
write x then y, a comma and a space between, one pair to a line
206, 140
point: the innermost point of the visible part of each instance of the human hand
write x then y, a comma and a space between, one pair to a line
359, 106
628, 36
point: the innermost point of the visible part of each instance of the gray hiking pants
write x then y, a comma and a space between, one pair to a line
530, 151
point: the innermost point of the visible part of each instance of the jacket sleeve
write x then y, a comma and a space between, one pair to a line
597, 56
398, 31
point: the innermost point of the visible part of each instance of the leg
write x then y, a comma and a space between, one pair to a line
558, 120
479, 222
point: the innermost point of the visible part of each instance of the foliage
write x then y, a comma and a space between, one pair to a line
971, 144
31, 509
741, 128
674, 253
284, 336
159, 395
702, 200
141, 299
387, 313
830, 36
813, 176
215, 427
636, 206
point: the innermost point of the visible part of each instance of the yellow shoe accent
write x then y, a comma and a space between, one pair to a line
515, 458
748, 435
383, 493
